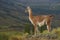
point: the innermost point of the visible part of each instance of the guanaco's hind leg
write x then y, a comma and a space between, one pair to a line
49, 25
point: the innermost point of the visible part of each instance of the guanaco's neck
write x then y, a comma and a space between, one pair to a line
30, 13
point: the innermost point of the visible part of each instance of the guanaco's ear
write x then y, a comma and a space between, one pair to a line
26, 10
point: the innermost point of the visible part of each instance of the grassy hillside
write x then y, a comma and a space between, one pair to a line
16, 35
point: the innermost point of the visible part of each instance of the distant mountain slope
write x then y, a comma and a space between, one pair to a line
12, 11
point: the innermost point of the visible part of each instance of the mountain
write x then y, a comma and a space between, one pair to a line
12, 12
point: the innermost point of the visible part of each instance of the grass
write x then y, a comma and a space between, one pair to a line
15, 35
12, 35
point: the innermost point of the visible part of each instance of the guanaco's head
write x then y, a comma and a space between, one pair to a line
28, 9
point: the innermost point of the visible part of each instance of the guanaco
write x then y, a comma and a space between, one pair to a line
39, 20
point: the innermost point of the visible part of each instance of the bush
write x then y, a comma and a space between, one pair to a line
3, 37
28, 29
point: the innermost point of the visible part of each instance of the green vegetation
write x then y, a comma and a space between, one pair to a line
16, 35
11, 35
28, 29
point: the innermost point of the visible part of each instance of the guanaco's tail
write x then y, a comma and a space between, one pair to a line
52, 16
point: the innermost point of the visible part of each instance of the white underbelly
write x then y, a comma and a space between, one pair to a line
38, 23
41, 23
